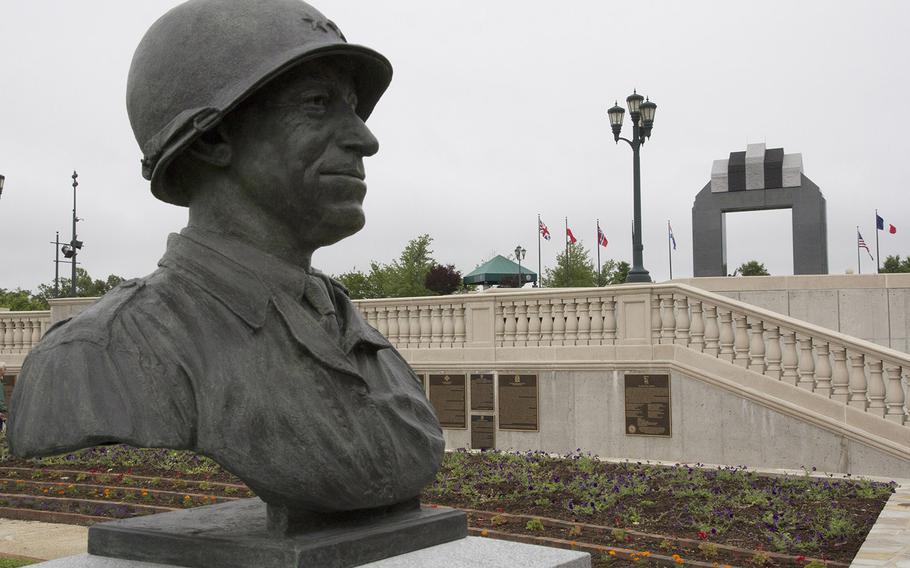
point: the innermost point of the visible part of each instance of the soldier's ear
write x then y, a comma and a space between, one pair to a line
213, 147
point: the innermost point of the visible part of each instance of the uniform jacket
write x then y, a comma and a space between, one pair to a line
238, 355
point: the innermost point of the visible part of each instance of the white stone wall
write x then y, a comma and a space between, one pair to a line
874, 307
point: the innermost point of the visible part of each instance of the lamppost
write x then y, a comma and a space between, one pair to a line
72, 250
520, 254
642, 114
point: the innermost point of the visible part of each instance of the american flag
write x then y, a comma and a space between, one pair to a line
544, 231
862, 244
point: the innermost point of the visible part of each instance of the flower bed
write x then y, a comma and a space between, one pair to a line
625, 514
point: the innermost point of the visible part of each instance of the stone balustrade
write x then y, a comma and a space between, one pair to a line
20, 331
847, 370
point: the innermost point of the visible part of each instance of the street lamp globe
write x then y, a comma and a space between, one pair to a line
633, 101
616, 115
647, 112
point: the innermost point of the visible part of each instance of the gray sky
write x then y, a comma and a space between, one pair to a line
496, 113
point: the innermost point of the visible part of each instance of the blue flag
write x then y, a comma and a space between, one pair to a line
879, 223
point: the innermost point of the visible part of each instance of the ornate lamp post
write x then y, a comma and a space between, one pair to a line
642, 114
520, 254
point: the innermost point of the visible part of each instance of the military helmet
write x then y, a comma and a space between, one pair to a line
202, 58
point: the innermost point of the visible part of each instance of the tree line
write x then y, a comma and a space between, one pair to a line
20, 300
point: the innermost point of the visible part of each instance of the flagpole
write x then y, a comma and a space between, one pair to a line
539, 281
598, 248
567, 240
859, 267
878, 262
669, 250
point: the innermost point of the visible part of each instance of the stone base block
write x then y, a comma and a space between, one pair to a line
235, 535
470, 552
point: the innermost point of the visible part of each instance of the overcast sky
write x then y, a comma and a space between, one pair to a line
497, 112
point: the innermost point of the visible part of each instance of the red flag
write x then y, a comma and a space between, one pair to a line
601, 238
569, 234
891, 228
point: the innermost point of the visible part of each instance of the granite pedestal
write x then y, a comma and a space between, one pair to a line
236, 535
470, 552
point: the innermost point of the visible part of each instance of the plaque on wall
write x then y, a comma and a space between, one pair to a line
518, 402
447, 394
482, 436
647, 405
482, 392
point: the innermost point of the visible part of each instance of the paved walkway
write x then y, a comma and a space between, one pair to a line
888, 543
42, 541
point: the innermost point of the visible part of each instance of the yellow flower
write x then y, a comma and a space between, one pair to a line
484, 532
612, 553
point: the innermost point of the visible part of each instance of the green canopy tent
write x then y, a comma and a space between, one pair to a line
499, 271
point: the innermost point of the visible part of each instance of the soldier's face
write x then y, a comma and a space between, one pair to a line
299, 146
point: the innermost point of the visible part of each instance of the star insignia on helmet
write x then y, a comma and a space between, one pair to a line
326, 26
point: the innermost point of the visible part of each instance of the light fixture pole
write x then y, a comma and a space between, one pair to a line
642, 114
520, 254
75, 245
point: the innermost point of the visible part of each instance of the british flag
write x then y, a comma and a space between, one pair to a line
544, 231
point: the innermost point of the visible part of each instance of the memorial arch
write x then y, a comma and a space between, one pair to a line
755, 180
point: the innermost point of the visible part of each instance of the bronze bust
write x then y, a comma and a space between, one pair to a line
251, 113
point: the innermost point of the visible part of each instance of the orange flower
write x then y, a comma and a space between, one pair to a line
484, 532
678, 559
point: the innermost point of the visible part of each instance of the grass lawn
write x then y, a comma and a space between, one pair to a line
14, 563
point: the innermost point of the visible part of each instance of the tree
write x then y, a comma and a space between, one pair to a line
86, 287
612, 272
443, 280
574, 268
403, 277
752, 268
894, 264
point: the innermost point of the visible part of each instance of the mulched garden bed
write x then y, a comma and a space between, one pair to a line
625, 514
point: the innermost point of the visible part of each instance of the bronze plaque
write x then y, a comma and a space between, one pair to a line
518, 402
647, 405
482, 392
447, 394
482, 437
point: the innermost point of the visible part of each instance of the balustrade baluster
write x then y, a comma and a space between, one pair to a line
460, 338
712, 332
426, 329
533, 323
414, 326
840, 377
448, 325
392, 317
655, 319
858, 381
569, 308
508, 338
559, 323
697, 327
741, 342
667, 319
584, 322
521, 324
546, 323
822, 370
404, 327
757, 346
876, 388
726, 336
383, 321
6, 336
500, 325
790, 360
806, 364
596, 309
682, 321
19, 337
774, 356
36, 332
609, 311
895, 400
435, 326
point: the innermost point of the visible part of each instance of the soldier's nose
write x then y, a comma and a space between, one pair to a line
358, 137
